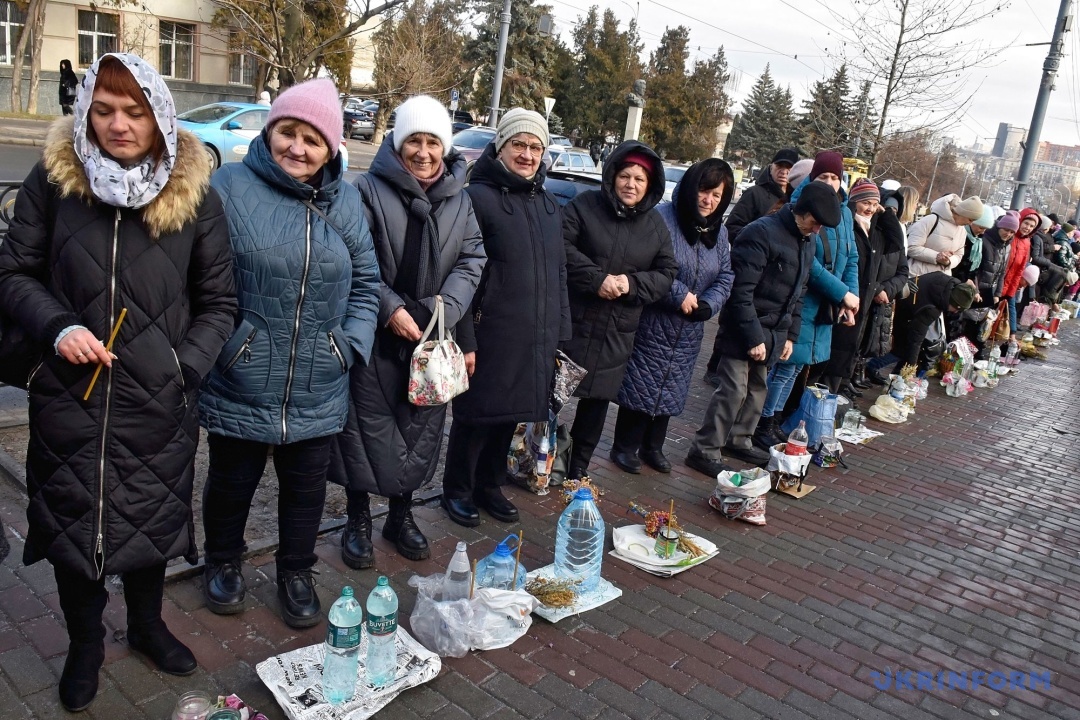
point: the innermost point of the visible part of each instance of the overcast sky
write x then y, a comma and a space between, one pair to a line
1006, 91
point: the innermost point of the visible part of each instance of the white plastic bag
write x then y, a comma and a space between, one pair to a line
745, 501
491, 619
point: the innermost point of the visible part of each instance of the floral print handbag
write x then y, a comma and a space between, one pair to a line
437, 368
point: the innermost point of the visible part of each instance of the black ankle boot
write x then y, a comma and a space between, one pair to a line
766, 433
400, 529
298, 601
356, 549
79, 681
147, 632
224, 588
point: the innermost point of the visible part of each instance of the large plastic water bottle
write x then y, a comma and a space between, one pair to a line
382, 606
458, 575
497, 569
579, 542
342, 648
1012, 356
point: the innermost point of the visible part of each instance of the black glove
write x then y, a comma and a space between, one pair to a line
701, 313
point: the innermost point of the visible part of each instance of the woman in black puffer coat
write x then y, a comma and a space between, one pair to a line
117, 215
669, 336
519, 315
618, 260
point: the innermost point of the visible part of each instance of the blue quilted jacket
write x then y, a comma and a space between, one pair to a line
658, 375
309, 298
815, 337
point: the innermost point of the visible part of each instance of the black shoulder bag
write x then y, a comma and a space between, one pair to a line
827, 313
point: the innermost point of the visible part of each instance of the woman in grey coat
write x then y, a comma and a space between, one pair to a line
429, 244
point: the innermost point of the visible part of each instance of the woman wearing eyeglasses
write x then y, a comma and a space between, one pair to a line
519, 314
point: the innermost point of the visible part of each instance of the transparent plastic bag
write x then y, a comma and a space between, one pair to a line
443, 627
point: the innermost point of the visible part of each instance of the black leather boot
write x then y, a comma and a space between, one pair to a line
224, 588
766, 433
297, 599
859, 379
82, 603
400, 529
147, 633
356, 549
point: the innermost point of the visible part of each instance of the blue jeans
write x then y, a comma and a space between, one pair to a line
876, 365
1012, 311
780, 381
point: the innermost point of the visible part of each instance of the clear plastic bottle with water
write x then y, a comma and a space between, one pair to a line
797, 440
497, 569
1012, 355
579, 542
458, 575
343, 625
994, 361
382, 607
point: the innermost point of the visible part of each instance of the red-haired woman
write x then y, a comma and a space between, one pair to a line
116, 220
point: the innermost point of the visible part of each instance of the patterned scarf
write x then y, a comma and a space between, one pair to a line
111, 182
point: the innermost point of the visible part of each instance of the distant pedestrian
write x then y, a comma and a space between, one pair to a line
264, 98
69, 85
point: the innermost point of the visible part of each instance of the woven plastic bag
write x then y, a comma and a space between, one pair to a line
818, 408
745, 501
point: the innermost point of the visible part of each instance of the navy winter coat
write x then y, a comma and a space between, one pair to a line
658, 375
603, 237
309, 297
520, 312
771, 262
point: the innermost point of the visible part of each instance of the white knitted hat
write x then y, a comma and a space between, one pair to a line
519, 120
422, 114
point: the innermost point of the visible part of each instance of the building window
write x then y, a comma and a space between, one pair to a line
175, 49
12, 20
242, 67
97, 35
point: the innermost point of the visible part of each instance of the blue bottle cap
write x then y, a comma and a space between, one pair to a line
346, 591
503, 548
583, 494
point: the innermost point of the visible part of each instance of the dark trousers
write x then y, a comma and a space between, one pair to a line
236, 467
83, 601
475, 458
586, 431
734, 409
636, 431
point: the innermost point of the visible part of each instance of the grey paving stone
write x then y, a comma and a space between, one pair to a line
770, 707
720, 705
11, 706
677, 705
26, 672
623, 700
459, 691
562, 693
517, 696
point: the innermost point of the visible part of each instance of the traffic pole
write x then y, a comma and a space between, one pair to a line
496, 83
1050, 68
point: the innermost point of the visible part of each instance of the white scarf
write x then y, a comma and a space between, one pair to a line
111, 182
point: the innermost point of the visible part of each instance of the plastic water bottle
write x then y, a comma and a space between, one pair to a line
995, 360
579, 542
497, 569
1012, 355
797, 440
382, 606
458, 575
343, 625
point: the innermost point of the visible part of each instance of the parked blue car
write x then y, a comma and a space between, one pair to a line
225, 128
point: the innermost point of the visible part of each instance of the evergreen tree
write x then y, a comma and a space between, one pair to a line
668, 110
766, 124
829, 118
865, 120
530, 61
591, 89
710, 107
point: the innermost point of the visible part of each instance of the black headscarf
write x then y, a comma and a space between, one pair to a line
695, 227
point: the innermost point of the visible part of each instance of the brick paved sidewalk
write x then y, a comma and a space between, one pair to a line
949, 544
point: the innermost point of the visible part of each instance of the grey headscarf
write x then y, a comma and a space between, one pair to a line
112, 183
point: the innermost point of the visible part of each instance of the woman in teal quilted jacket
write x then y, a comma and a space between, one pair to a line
308, 287
831, 297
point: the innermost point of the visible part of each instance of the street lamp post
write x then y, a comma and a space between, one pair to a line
500, 60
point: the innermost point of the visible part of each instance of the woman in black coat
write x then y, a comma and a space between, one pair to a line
118, 215
68, 87
618, 260
882, 275
519, 315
